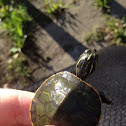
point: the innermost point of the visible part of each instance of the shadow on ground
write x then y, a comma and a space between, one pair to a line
117, 9
42, 20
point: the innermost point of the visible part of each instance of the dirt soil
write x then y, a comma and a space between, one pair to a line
54, 44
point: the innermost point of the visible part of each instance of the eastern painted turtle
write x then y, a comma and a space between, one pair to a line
66, 100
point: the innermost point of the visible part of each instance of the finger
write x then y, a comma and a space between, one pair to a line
14, 107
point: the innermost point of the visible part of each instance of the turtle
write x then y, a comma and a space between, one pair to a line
65, 99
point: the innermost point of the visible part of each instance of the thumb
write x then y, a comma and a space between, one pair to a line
14, 107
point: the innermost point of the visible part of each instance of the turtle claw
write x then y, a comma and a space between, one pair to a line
105, 99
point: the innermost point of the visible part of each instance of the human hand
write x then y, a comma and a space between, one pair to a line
14, 107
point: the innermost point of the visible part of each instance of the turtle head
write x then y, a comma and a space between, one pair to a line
86, 63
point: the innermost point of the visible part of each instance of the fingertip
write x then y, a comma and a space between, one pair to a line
14, 107
24, 99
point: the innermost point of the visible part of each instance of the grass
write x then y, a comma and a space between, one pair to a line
13, 20
104, 5
54, 8
15, 70
17, 64
96, 36
113, 31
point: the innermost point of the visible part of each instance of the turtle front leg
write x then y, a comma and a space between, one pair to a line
105, 99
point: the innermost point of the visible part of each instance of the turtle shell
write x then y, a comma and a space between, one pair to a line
65, 100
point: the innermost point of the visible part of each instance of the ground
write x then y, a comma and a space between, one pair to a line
53, 45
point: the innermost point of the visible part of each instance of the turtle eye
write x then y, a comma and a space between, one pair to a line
95, 54
87, 51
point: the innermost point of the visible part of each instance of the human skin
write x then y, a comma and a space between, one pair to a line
14, 107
